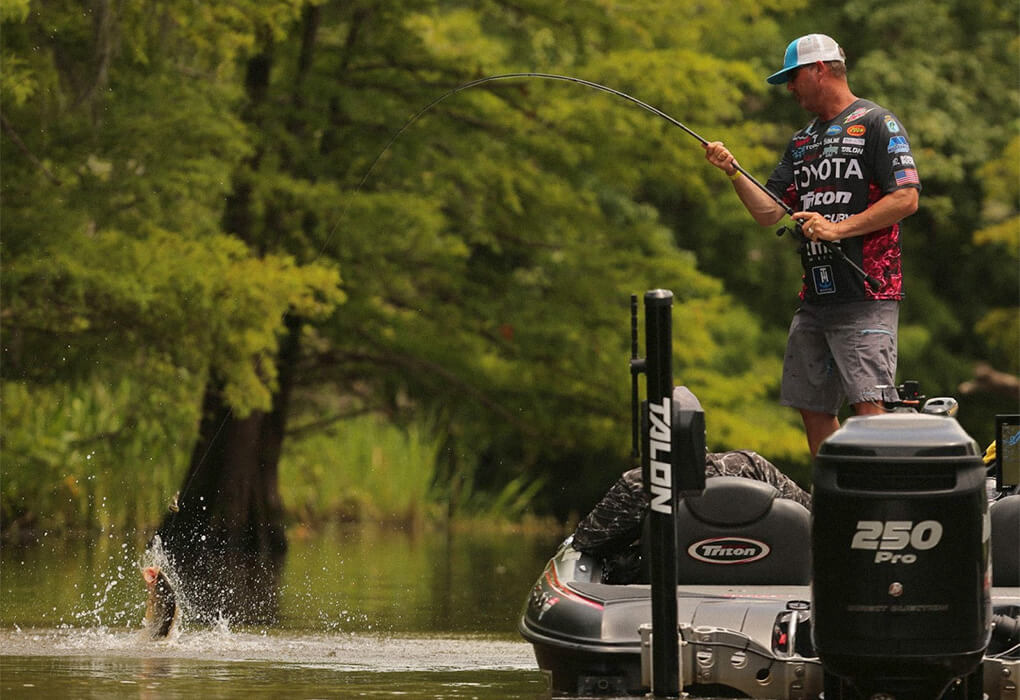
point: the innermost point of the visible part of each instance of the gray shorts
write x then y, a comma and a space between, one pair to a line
840, 352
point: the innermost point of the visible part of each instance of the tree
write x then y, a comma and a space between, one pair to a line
184, 187
192, 180
999, 239
124, 137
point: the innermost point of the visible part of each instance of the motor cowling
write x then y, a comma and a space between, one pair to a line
900, 554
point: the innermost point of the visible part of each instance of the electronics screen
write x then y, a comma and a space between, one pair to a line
1007, 450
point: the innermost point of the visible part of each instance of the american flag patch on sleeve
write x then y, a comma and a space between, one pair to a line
907, 177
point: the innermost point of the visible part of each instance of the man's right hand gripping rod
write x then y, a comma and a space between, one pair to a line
798, 232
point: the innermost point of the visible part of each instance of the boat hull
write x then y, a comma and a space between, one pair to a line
736, 641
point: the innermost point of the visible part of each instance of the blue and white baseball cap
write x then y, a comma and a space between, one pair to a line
804, 51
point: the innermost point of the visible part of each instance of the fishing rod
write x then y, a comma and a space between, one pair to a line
797, 230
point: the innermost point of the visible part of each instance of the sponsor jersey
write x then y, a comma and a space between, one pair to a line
839, 168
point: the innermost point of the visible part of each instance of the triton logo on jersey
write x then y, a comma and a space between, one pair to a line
833, 130
816, 199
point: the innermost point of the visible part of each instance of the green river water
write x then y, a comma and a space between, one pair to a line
364, 613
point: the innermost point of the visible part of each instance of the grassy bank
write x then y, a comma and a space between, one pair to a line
361, 469
81, 460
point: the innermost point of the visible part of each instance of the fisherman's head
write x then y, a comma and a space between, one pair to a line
809, 50
814, 71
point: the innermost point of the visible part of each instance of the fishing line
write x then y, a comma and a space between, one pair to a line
514, 76
797, 231
175, 501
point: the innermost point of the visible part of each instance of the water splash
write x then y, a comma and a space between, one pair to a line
115, 596
222, 624
155, 555
105, 603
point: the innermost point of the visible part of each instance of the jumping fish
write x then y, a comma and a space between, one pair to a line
161, 611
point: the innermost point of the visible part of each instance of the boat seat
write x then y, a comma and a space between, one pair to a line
1005, 517
738, 531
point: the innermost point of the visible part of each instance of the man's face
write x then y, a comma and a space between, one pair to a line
803, 83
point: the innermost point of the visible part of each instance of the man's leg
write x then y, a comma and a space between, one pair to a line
818, 426
811, 381
864, 347
869, 408
861, 337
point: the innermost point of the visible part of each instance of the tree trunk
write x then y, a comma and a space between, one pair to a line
226, 542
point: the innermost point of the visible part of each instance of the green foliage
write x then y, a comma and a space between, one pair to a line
107, 454
177, 302
114, 259
1000, 240
179, 180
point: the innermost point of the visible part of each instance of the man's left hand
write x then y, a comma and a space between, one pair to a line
816, 227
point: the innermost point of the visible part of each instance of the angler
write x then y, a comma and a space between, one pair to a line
842, 322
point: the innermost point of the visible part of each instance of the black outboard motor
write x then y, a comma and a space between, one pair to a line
900, 540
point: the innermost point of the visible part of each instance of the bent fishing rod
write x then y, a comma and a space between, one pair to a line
829, 245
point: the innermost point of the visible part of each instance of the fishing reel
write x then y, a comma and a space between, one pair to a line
795, 232
906, 397
909, 399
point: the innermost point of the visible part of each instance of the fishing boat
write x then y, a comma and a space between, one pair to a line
901, 583
746, 640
